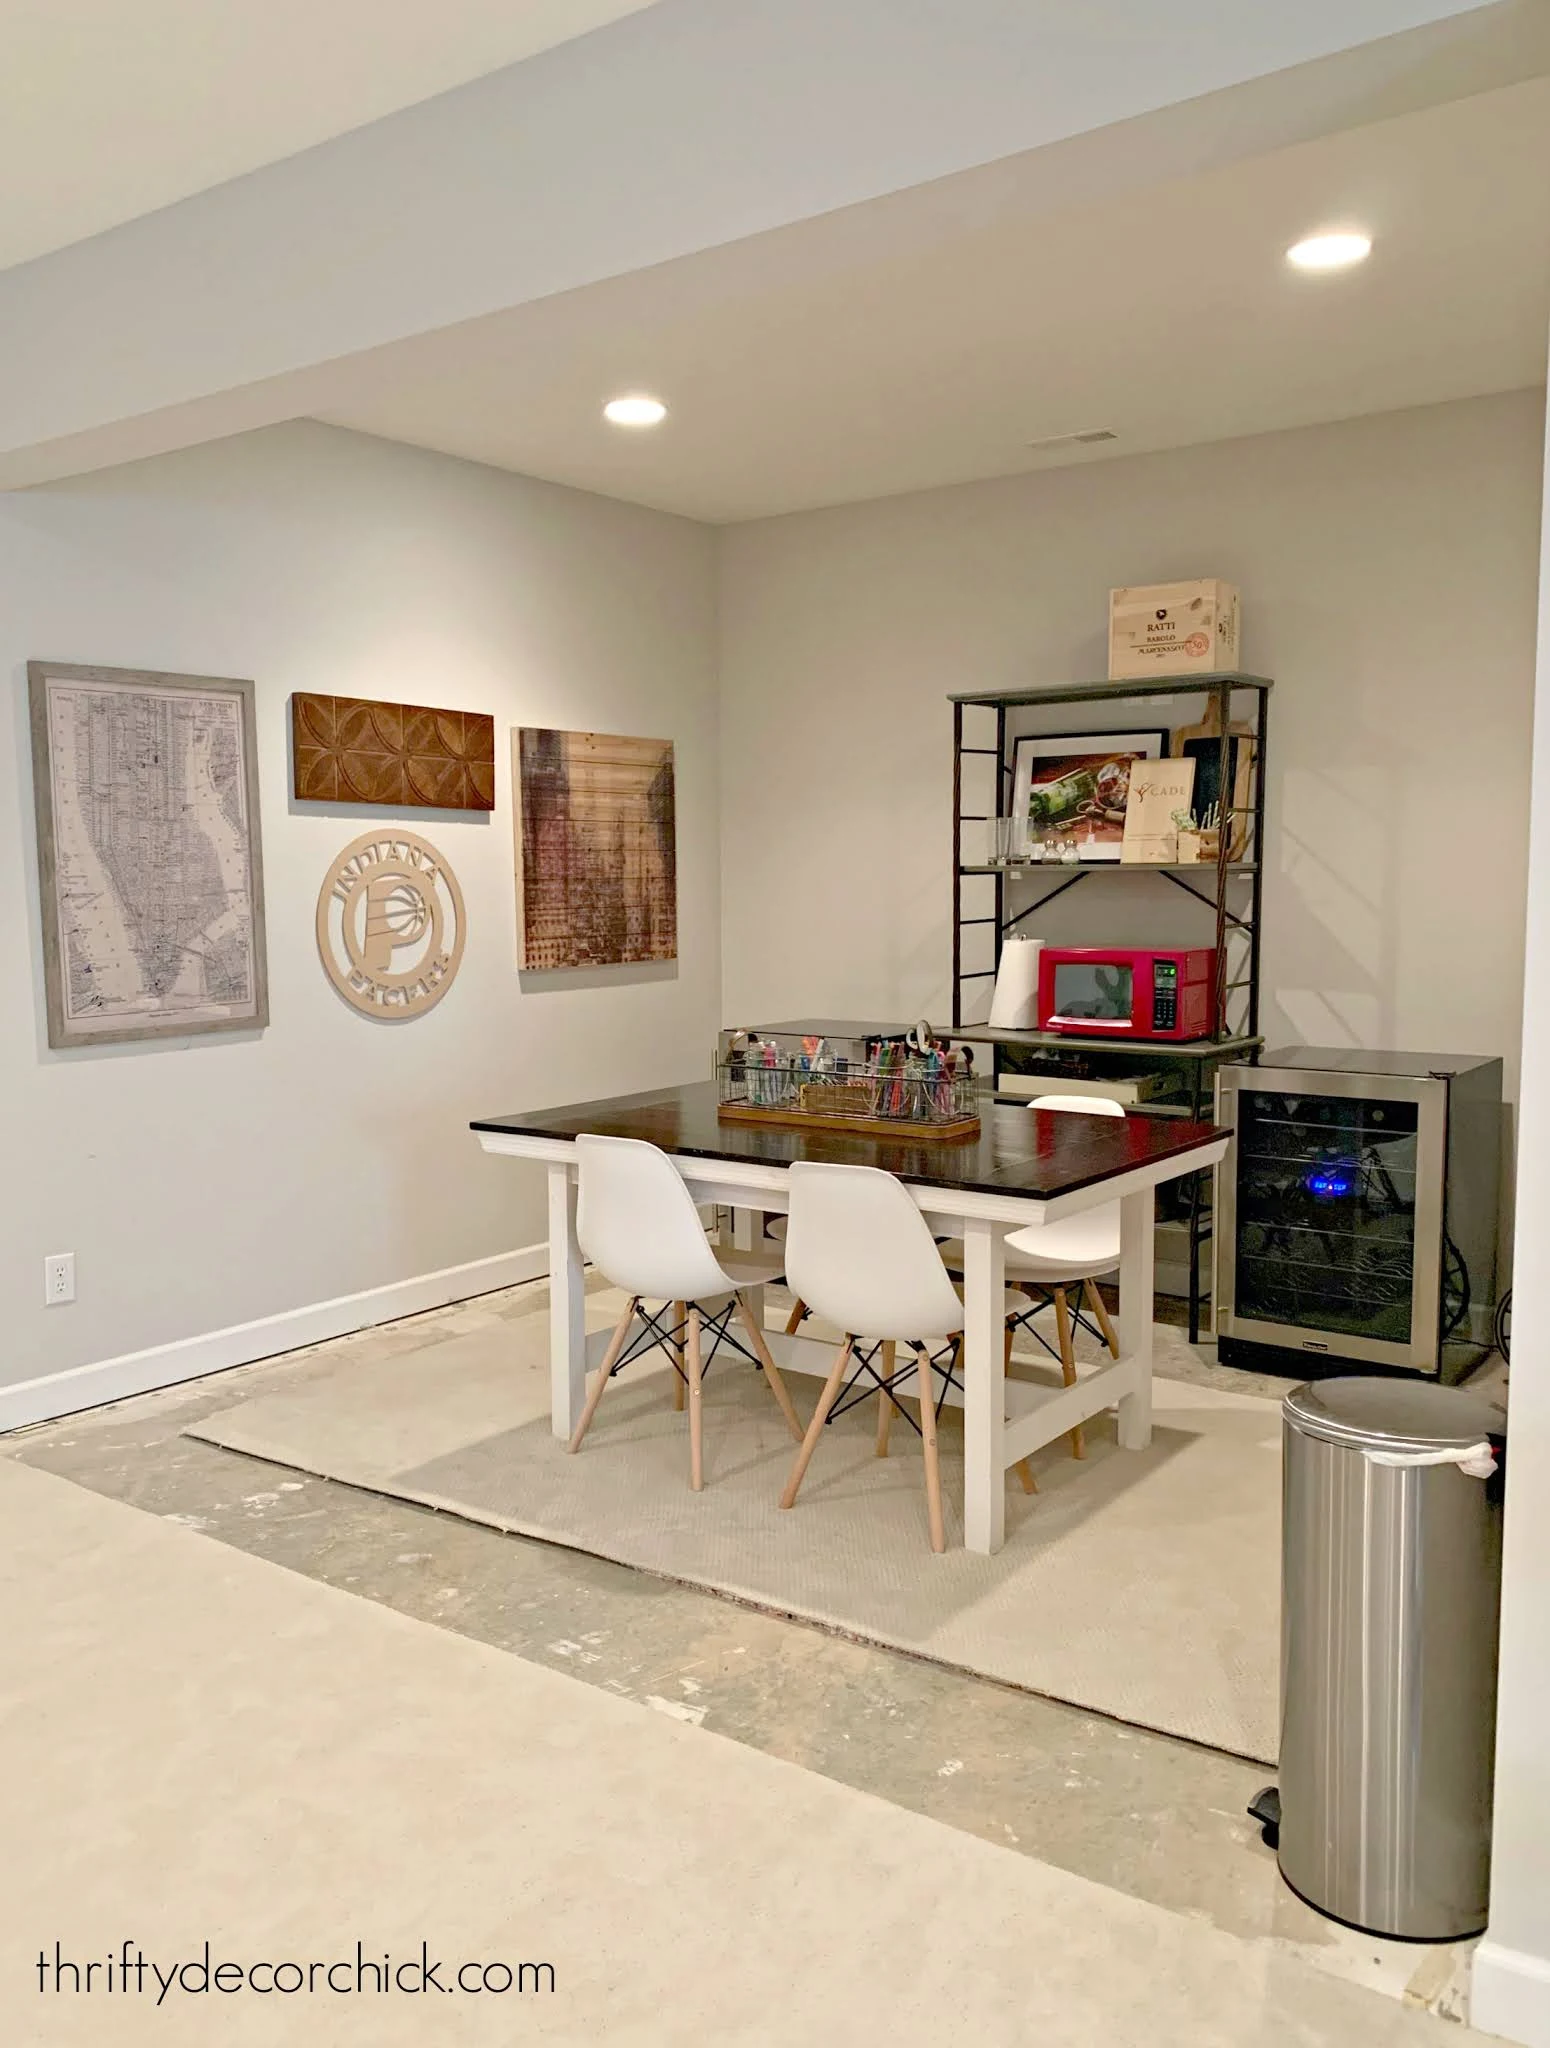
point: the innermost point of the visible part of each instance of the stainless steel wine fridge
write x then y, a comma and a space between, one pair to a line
1357, 1210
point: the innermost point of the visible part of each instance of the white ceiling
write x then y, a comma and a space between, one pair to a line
110, 108
891, 347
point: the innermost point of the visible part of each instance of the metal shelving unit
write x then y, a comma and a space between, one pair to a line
1008, 896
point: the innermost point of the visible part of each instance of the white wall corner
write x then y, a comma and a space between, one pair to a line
1511, 1981
1510, 1995
166, 1365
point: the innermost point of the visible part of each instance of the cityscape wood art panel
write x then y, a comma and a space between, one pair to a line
146, 790
353, 750
597, 871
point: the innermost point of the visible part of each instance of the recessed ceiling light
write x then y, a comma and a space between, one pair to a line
635, 410
1329, 252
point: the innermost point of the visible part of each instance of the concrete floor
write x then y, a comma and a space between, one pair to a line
1142, 1813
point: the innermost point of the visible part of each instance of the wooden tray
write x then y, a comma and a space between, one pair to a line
858, 1126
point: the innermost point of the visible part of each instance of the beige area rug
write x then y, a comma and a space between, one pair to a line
1141, 1585
201, 1746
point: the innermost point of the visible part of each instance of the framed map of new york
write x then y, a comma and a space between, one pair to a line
149, 866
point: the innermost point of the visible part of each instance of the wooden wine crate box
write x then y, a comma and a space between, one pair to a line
1172, 629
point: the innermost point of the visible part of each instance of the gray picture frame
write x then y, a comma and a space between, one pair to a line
63, 1033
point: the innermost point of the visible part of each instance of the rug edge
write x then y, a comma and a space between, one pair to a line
383, 1489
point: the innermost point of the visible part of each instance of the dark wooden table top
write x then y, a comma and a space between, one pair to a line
1038, 1153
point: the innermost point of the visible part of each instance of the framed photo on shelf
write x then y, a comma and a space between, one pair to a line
1074, 786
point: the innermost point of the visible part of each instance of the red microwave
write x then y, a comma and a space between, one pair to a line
1127, 992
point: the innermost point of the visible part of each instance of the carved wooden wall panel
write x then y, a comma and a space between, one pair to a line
350, 750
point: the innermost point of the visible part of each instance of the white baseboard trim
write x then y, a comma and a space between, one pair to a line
1509, 1994
142, 1372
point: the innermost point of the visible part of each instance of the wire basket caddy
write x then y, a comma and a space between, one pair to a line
893, 1088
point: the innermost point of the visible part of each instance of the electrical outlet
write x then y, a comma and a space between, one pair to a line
58, 1279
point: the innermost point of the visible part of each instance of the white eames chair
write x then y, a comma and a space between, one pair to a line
859, 1254
1048, 1262
637, 1224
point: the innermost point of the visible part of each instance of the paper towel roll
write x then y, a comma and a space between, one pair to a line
1015, 1004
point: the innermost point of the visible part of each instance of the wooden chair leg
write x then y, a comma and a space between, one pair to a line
1100, 1309
676, 1353
1068, 1362
796, 1319
928, 1444
1023, 1468
885, 1401
605, 1371
756, 1337
826, 1400
696, 1405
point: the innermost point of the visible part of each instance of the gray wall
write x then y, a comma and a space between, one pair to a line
1388, 571
211, 1182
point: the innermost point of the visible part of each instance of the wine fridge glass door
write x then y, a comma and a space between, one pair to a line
1333, 1214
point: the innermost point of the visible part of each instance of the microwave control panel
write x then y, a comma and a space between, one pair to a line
1165, 995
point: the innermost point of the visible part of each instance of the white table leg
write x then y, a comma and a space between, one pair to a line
1137, 1226
748, 1236
567, 1308
984, 1385
747, 1229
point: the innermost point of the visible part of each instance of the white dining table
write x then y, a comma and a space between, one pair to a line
1028, 1167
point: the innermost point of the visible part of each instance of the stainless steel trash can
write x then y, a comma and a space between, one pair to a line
1391, 1582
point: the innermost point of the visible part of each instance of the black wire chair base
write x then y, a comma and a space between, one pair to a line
867, 1380
1024, 1318
656, 1335
1080, 1319
855, 1391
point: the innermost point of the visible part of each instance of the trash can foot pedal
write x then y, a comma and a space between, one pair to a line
1265, 1807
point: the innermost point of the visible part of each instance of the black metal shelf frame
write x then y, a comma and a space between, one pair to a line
1221, 886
